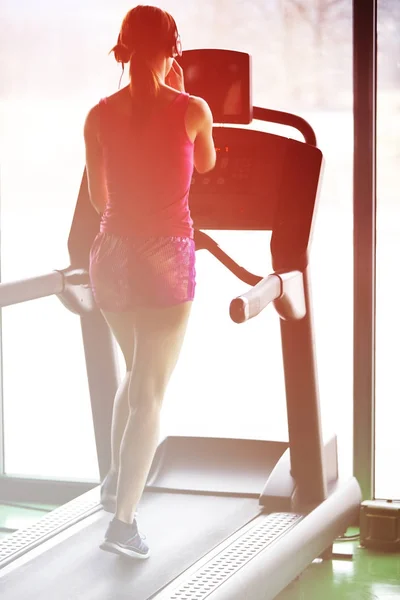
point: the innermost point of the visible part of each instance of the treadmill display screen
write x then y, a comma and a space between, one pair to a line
222, 78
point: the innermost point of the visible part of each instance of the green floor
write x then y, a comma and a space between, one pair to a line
360, 575
15, 516
364, 575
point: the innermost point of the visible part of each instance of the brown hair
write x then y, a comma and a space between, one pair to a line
145, 32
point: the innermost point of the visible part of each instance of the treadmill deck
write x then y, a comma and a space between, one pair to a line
180, 530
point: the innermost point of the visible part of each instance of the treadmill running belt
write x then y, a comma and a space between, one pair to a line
180, 529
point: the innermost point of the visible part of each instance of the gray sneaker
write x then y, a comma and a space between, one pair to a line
125, 540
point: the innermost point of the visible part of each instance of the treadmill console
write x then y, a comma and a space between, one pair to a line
223, 79
242, 190
261, 181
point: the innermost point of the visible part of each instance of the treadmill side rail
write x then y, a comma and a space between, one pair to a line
280, 491
291, 304
264, 574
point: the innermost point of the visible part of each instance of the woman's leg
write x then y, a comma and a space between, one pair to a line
159, 335
121, 324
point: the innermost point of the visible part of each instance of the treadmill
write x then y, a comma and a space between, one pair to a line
226, 519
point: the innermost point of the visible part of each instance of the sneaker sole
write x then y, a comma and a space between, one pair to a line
116, 549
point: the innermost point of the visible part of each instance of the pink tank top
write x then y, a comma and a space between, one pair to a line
148, 172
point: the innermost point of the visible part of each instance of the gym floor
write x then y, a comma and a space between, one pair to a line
360, 575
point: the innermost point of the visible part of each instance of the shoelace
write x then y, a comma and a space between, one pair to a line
141, 537
140, 534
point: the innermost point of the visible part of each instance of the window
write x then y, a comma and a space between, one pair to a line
387, 484
59, 67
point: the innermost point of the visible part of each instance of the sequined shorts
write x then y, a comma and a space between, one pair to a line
131, 271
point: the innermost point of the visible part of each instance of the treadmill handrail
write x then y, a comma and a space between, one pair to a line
205, 242
288, 119
284, 289
32, 288
251, 303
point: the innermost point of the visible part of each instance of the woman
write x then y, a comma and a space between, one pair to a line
141, 146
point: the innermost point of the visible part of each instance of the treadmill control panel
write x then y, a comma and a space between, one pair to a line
241, 191
231, 171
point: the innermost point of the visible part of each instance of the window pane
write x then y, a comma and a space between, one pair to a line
229, 380
301, 63
388, 249
47, 414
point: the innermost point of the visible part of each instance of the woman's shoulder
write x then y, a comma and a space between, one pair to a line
96, 114
120, 101
92, 119
198, 107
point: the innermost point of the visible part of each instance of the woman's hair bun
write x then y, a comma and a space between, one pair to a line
122, 53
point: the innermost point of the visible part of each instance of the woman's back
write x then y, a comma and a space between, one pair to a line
148, 163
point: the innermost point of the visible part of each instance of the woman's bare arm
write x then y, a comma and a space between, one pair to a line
204, 149
94, 161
